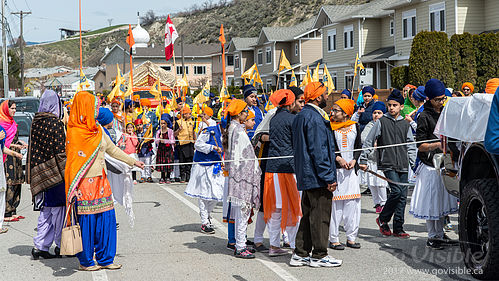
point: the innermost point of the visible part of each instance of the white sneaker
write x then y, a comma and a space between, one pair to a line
326, 261
299, 261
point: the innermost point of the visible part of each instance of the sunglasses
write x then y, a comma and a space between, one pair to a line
466, 89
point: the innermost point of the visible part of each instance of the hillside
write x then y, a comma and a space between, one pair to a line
241, 18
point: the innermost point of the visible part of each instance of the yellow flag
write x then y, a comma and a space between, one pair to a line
307, 78
248, 73
315, 77
255, 77
293, 79
182, 82
224, 94
283, 62
129, 91
156, 90
327, 80
358, 65
269, 105
204, 95
83, 82
119, 87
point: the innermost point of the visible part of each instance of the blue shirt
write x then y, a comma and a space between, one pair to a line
491, 141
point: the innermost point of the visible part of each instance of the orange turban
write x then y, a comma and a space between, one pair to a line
145, 102
492, 85
410, 86
186, 109
279, 95
375, 97
116, 101
208, 111
251, 115
136, 98
347, 105
163, 98
469, 85
235, 107
313, 90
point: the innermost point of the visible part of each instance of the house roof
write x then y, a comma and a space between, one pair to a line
380, 54
190, 50
243, 43
281, 33
373, 9
119, 46
400, 3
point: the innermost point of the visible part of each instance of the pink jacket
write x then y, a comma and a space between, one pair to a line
170, 140
131, 143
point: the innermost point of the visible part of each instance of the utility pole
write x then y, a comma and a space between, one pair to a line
21, 47
4, 54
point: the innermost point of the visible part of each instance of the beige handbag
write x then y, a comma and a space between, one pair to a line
71, 242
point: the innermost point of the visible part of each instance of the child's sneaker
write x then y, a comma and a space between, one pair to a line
244, 254
142, 180
401, 234
207, 229
299, 261
277, 252
134, 182
326, 261
383, 228
161, 181
379, 208
231, 247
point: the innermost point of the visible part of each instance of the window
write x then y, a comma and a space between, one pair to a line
392, 28
334, 76
296, 49
348, 37
180, 72
101, 84
409, 24
236, 61
348, 78
331, 40
199, 70
167, 68
259, 57
269, 85
437, 17
268, 55
230, 60
219, 59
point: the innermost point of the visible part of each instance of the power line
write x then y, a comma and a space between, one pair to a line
29, 8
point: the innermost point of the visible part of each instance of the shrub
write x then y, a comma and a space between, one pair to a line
487, 58
399, 76
463, 59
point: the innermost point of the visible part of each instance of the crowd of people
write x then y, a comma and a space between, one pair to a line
294, 170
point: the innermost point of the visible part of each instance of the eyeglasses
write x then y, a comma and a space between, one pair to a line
336, 110
440, 99
466, 89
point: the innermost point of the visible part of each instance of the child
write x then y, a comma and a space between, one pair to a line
165, 141
128, 143
250, 121
244, 176
144, 150
375, 184
393, 161
430, 200
346, 199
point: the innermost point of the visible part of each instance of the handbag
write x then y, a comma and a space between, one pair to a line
71, 242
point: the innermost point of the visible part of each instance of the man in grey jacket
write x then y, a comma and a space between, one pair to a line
394, 161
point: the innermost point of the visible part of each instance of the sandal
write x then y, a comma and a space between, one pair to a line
3, 230
19, 217
11, 219
90, 268
112, 266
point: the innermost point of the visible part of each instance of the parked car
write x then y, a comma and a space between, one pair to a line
24, 120
25, 104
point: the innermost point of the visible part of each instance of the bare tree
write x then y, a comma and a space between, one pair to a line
110, 21
149, 18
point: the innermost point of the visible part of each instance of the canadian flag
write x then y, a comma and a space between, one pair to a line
170, 36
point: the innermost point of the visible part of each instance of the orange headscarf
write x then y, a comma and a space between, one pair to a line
208, 111
186, 109
281, 94
235, 107
83, 141
313, 90
492, 85
347, 105
469, 85
251, 115
145, 102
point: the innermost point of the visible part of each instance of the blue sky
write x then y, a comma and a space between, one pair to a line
50, 15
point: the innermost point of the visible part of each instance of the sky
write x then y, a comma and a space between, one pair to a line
50, 15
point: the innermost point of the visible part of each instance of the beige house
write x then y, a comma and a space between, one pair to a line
217, 68
242, 51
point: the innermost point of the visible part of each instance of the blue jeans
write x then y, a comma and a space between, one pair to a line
395, 204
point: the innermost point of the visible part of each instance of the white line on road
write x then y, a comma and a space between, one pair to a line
282, 273
99, 275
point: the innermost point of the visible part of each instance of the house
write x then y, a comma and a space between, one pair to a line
66, 86
241, 48
302, 45
217, 68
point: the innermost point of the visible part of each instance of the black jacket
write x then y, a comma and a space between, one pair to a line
281, 143
357, 145
427, 121
367, 116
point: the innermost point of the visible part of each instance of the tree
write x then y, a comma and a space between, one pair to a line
487, 57
14, 71
463, 59
149, 18
399, 76
430, 58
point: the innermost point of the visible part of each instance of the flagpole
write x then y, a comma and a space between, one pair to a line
81, 52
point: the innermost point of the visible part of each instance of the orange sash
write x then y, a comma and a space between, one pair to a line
291, 203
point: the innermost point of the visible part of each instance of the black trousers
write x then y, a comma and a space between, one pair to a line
185, 155
313, 232
395, 204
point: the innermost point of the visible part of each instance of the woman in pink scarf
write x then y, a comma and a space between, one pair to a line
13, 165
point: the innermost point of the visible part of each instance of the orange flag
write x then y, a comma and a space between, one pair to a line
221, 38
129, 38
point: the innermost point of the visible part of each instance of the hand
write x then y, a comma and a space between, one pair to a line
361, 110
2, 135
140, 164
342, 162
408, 118
351, 165
363, 167
217, 149
19, 155
437, 145
332, 187
24, 145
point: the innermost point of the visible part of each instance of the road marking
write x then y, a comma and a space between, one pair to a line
282, 273
99, 275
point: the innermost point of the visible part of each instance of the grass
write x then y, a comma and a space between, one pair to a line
101, 30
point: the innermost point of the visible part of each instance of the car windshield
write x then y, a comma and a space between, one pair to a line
23, 125
26, 105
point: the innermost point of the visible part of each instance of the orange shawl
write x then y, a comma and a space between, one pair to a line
83, 138
291, 202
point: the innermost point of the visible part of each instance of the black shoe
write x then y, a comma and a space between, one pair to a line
207, 229
57, 252
261, 248
231, 247
447, 241
149, 179
250, 243
366, 192
434, 244
376, 206
336, 247
354, 245
38, 253
286, 246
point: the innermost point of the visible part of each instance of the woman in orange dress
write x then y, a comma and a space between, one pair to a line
86, 181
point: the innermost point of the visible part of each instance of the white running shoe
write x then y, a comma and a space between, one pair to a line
299, 261
326, 261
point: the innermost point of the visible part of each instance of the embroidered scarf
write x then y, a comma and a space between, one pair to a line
7, 122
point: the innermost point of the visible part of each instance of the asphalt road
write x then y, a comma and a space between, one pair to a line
166, 244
